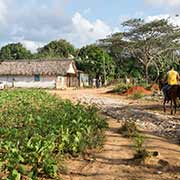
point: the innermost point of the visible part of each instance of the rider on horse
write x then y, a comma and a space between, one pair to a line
172, 79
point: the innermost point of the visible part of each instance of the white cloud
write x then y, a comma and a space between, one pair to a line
157, 17
175, 20
172, 3
32, 45
3, 11
35, 25
89, 32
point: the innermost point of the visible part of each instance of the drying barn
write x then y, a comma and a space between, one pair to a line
52, 74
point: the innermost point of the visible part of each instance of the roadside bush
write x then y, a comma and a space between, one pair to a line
136, 95
140, 150
129, 129
37, 128
121, 88
143, 84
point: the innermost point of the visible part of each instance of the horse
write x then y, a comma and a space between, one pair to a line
172, 94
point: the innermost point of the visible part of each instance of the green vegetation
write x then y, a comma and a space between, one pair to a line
36, 129
56, 49
136, 95
121, 88
141, 153
129, 129
143, 51
14, 51
96, 62
140, 150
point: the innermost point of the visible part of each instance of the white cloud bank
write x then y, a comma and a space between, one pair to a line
35, 26
89, 32
175, 20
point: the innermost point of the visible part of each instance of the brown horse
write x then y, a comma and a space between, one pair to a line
172, 93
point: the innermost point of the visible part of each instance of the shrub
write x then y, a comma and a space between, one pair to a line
136, 95
144, 84
141, 152
128, 129
121, 88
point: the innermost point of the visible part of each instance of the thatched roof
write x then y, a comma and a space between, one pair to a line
32, 67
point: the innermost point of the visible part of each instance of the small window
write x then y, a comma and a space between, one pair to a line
36, 77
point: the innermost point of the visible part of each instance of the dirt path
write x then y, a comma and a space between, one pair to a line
114, 161
148, 114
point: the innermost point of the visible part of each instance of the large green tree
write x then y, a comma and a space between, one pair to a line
125, 64
150, 42
93, 60
153, 44
14, 51
57, 49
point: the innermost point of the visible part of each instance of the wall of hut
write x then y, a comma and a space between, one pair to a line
50, 82
29, 81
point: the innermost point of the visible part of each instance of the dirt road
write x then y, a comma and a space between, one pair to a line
148, 114
113, 161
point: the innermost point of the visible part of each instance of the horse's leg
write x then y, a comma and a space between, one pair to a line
164, 104
171, 107
175, 105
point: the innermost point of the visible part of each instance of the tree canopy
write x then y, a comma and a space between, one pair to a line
93, 60
152, 44
14, 51
143, 49
57, 49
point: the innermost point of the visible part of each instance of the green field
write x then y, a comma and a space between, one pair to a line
37, 129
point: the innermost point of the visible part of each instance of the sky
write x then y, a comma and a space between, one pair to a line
81, 22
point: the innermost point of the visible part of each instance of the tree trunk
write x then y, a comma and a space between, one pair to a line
146, 72
147, 69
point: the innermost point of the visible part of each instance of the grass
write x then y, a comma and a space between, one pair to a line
129, 129
136, 95
37, 129
121, 88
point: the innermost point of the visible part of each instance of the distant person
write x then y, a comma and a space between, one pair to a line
127, 79
94, 82
172, 78
97, 83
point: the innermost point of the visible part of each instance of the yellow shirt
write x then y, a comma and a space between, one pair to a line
172, 77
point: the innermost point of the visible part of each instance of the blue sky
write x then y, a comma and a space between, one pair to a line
81, 22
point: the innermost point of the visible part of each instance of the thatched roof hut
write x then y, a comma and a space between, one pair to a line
41, 67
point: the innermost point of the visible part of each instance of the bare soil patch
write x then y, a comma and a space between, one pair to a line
137, 89
113, 162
